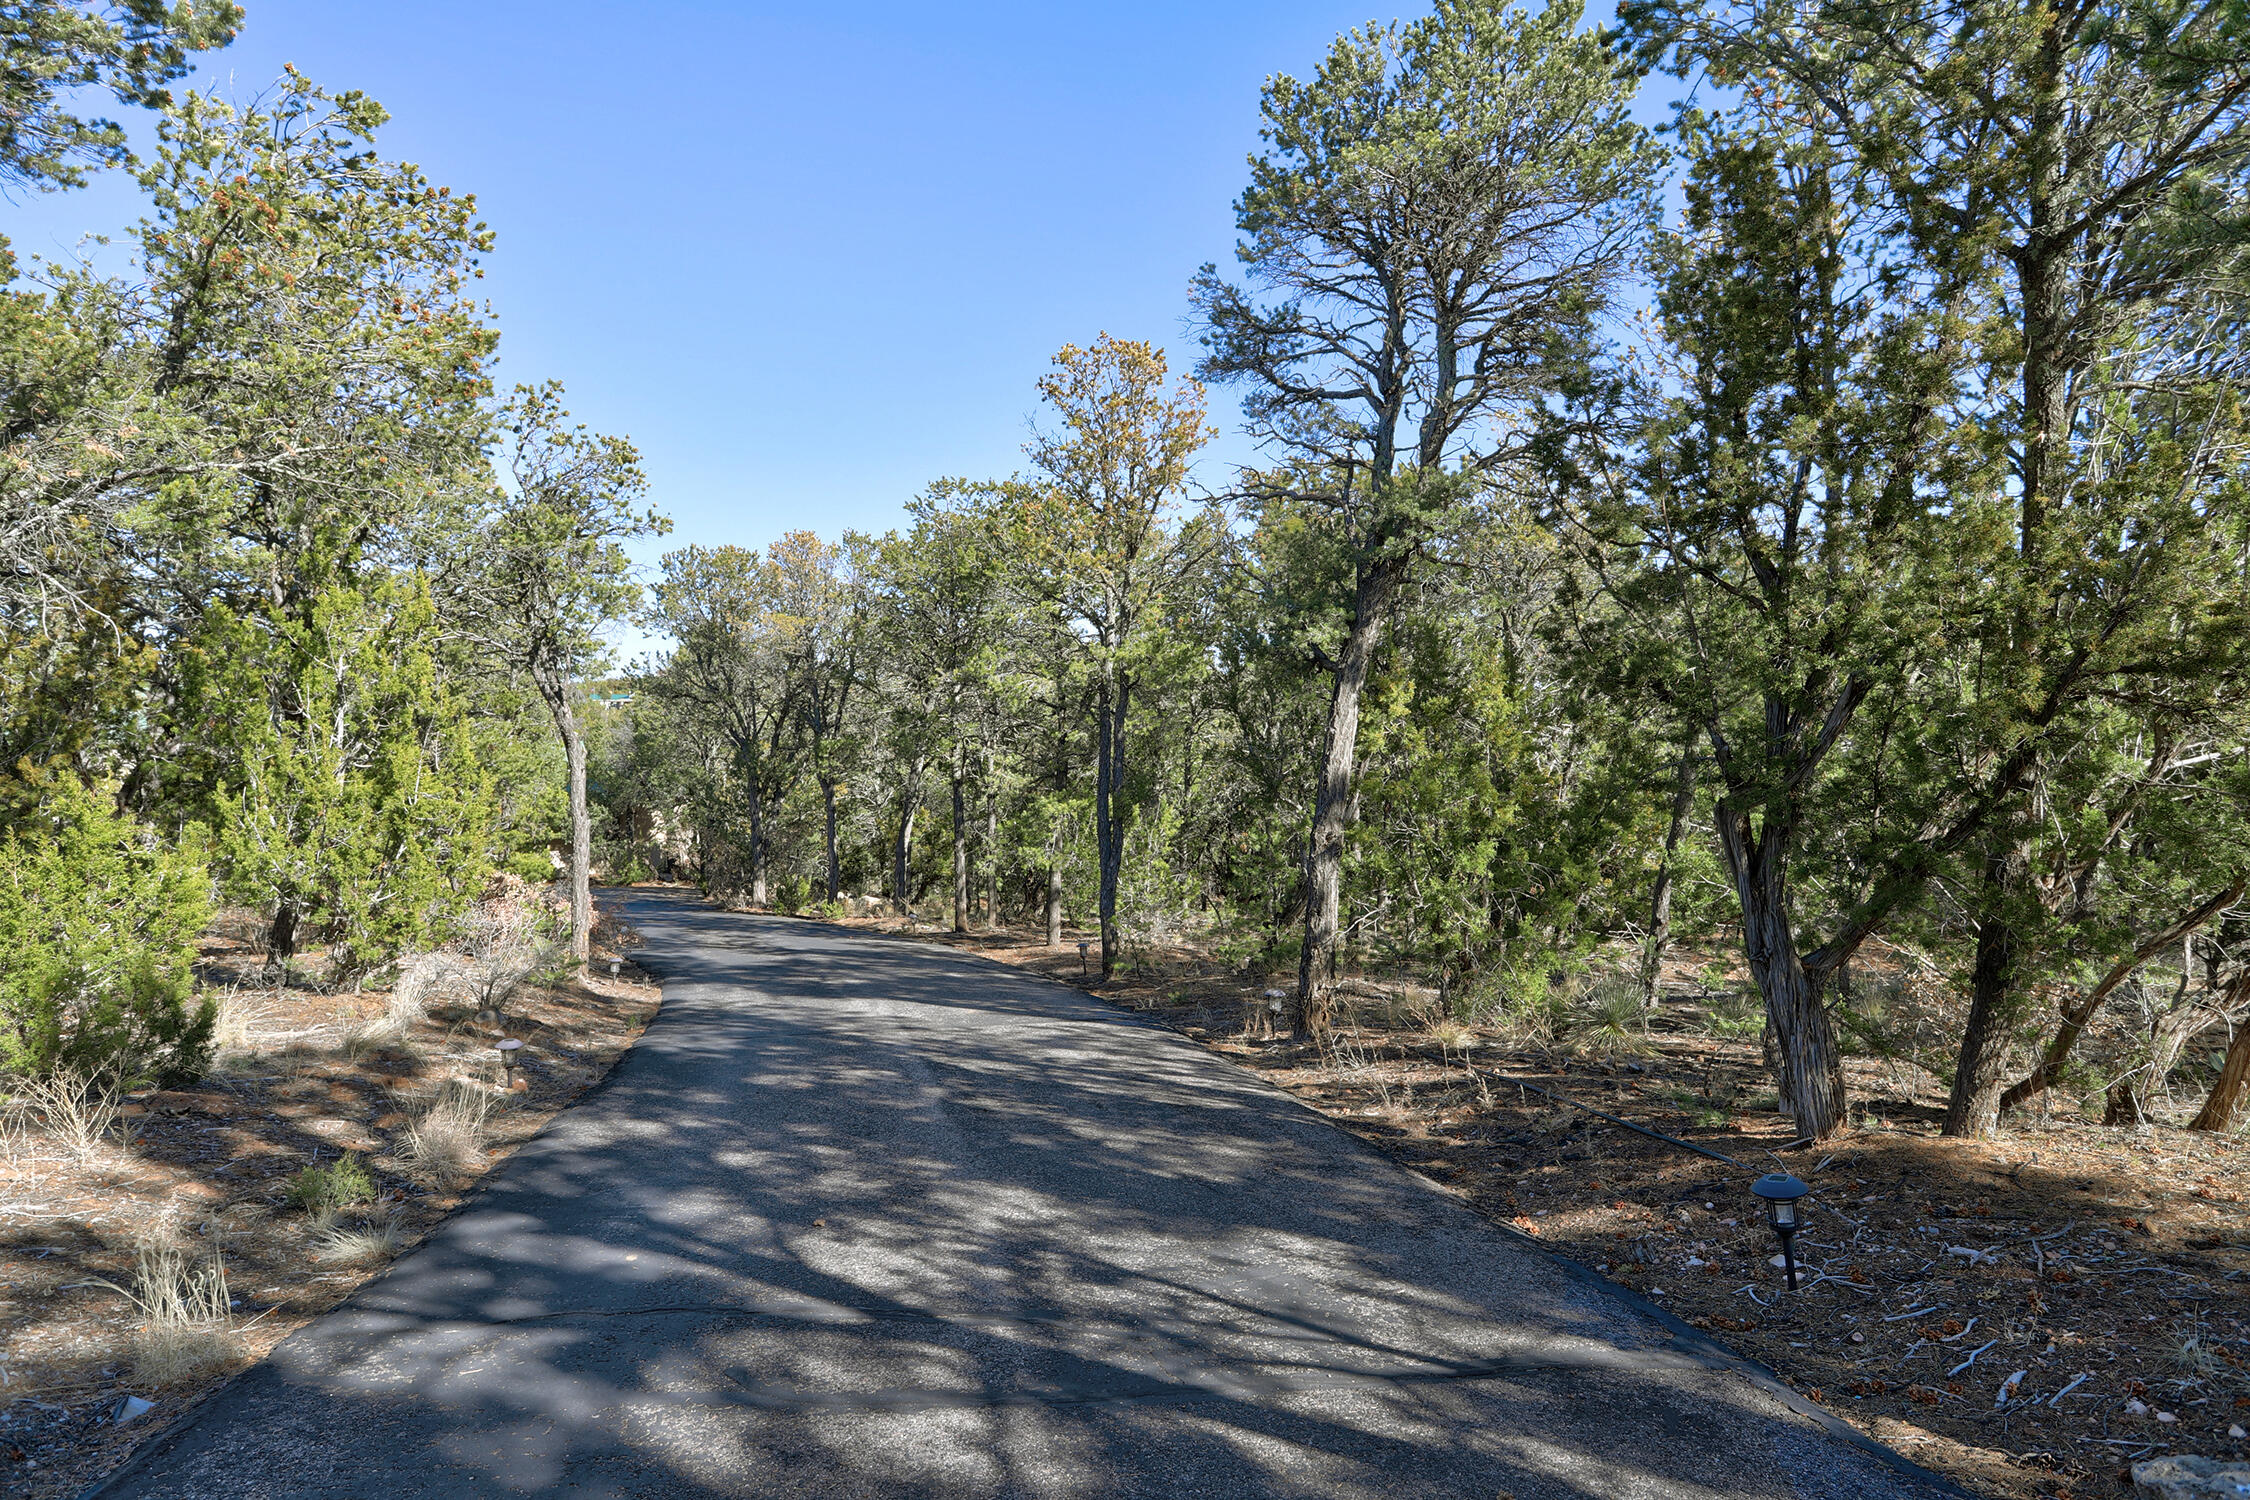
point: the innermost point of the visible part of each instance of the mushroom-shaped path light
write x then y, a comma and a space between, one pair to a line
1779, 1191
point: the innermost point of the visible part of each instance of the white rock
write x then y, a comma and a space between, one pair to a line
2136, 1408
2191, 1479
132, 1408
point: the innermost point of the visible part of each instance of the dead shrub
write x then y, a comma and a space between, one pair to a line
76, 1111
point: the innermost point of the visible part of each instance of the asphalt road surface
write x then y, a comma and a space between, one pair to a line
859, 1217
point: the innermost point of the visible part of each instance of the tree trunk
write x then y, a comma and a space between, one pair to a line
557, 693
757, 847
281, 937
1996, 1002
960, 842
1332, 800
991, 846
2224, 1107
902, 848
1054, 905
2078, 1015
828, 806
1810, 1075
1995, 1006
1660, 899
2129, 1096
1109, 780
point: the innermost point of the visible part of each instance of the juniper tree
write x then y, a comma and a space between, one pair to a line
2030, 219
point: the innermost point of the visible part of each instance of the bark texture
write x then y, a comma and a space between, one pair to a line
1809, 1071
556, 692
1332, 802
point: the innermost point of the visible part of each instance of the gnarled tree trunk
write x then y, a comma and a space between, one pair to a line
1810, 1071
2224, 1106
1332, 802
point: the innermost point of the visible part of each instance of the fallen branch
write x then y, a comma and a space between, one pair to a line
1972, 1359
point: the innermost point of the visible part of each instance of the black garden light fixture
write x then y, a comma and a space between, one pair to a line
1082, 947
510, 1055
1780, 1191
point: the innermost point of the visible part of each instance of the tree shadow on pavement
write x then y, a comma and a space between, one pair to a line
861, 1219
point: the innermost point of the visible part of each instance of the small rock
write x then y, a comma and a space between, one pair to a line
132, 1408
2190, 1479
2136, 1408
2167, 1418
2237, 1433
1859, 1338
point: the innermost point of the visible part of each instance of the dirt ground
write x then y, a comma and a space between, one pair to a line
300, 1081
2028, 1315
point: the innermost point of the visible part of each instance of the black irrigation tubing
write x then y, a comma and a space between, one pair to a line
1654, 1135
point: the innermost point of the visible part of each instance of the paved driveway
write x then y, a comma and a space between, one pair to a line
859, 1217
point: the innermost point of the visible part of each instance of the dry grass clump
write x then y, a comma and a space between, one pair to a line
187, 1319
447, 1143
1452, 1036
407, 1009
358, 1245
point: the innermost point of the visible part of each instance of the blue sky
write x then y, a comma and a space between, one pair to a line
808, 258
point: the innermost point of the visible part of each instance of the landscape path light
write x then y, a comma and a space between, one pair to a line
509, 1049
1780, 1192
1082, 947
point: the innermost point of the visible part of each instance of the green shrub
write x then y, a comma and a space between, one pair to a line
319, 1189
532, 865
98, 920
1736, 1016
1530, 994
351, 797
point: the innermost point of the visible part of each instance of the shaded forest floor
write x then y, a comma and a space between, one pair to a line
299, 1083
2110, 1267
